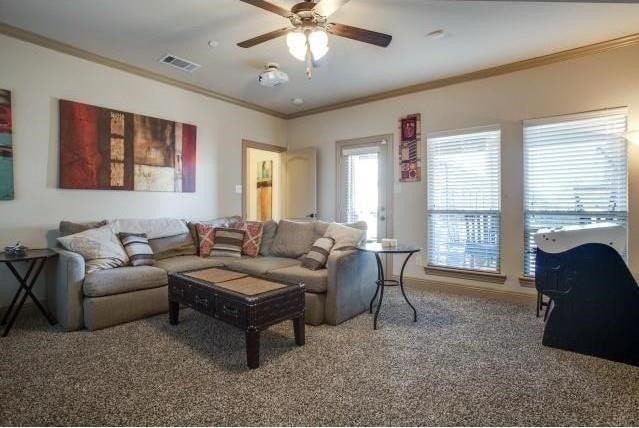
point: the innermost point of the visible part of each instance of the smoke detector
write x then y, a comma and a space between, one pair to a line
272, 76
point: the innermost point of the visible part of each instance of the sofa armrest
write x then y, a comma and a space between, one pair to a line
351, 284
68, 290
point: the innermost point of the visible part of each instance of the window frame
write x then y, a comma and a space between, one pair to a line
461, 272
526, 278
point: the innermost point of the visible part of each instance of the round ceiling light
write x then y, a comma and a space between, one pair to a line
297, 101
213, 44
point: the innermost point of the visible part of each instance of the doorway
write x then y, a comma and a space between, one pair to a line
365, 176
262, 181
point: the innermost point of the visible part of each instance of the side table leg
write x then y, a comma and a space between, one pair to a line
401, 286
380, 285
21, 283
252, 348
174, 312
299, 328
27, 292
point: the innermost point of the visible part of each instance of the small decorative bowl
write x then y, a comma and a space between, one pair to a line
15, 250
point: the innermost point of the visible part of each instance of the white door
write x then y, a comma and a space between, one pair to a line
364, 177
301, 184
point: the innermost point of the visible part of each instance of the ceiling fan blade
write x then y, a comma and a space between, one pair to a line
366, 36
263, 38
328, 7
270, 7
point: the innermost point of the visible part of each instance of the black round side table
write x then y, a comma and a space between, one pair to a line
36, 259
377, 249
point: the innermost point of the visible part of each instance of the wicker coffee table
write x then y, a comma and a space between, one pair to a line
244, 301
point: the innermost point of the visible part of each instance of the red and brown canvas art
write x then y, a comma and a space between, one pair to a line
107, 149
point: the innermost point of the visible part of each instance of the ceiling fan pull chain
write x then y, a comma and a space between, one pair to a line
309, 62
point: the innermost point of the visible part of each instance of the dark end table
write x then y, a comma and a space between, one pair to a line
36, 260
377, 249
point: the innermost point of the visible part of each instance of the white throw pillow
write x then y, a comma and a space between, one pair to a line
100, 248
345, 237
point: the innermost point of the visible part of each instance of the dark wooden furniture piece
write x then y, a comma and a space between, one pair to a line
247, 302
377, 249
36, 260
594, 302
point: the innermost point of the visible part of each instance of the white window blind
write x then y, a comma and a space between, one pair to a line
575, 172
464, 199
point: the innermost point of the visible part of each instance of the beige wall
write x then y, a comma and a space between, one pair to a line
609, 79
38, 77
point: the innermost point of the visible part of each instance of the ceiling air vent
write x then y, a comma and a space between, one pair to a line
181, 63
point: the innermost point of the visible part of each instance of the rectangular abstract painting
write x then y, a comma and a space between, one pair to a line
6, 147
107, 149
410, 163
264, 190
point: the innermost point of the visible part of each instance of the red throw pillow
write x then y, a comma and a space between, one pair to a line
252, 236
206, 233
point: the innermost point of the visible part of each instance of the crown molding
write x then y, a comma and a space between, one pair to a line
569, 54
36, 39
526, 64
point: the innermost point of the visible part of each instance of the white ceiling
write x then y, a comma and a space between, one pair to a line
479, 34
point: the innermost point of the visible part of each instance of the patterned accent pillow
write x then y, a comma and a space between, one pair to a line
100, 248
137, 248
317, 257
252, 237
227, 242
206, 235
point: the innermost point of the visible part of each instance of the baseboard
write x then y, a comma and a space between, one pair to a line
469, 290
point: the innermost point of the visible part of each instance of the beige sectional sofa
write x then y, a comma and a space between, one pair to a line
108, 297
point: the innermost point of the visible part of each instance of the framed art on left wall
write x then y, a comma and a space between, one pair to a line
108, 149
6, 147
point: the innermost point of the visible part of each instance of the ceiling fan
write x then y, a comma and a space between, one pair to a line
307, 39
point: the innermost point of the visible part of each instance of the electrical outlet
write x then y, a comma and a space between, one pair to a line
238, 188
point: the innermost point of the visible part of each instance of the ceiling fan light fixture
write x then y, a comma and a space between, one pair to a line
296, 42
318, 43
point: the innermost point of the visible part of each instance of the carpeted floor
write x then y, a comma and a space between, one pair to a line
467, 361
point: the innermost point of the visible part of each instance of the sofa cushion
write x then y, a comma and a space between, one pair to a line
153, 227
185, 263
268, 235
70, 228
123, 280
228, 242
171, 246
317, 257
293, 239
260, 265
252, 236
316, 281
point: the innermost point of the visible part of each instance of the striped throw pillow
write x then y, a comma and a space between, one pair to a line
137, 248
317, 257
227, 242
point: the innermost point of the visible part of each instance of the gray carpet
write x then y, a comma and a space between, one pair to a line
467, 361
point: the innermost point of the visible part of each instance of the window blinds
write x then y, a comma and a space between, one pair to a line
464, 199
575, 172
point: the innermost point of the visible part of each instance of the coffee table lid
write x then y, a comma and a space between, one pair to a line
250, 286
215, 275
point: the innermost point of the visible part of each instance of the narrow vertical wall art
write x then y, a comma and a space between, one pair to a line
410, 162
265, 190
6, 147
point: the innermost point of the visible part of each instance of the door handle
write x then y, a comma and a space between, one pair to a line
382, 217
311, 215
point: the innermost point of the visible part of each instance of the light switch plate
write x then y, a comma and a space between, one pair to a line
238, 188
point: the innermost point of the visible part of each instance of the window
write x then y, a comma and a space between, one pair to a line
464, 199
575, 172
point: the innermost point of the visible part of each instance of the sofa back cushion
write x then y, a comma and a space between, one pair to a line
293, 239
268, 235
69, 228
227, 242
171, 246
137, 248
153, 227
